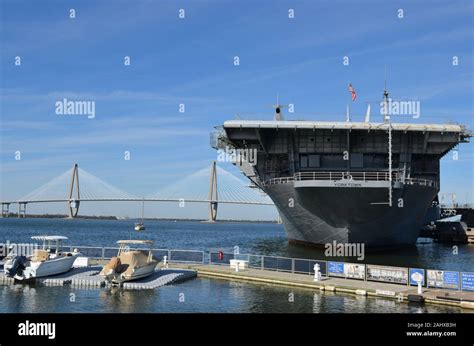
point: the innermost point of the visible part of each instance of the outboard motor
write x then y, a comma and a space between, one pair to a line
18, 265
111, 268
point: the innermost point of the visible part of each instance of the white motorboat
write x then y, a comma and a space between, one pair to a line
140, 226
130, 264
49, 260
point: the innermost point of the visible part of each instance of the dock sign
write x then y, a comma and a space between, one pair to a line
451, 279
416, 273
396, 275
443, 279
467, 281
336, 268
347, 270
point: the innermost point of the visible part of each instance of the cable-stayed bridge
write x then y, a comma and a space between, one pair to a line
211, 186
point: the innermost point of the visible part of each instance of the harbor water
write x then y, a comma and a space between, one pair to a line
203, 294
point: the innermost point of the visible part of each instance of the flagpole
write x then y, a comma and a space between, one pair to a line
349, 105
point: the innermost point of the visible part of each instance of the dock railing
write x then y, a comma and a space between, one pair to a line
273, 263
454, 280
173, 255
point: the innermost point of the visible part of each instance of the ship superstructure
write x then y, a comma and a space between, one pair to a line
356, 182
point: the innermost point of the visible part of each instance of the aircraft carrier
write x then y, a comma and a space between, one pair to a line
349, 182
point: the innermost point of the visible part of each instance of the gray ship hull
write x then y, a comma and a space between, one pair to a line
321, 215
331, 181
300, 225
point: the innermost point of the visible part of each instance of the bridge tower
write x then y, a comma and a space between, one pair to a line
213, 196
22, 209
5, 209
73, 203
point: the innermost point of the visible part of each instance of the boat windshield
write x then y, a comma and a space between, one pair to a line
134, 245
53, 246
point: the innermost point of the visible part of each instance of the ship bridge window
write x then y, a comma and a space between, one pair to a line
303, 161
357, 160
405, 157
310, 161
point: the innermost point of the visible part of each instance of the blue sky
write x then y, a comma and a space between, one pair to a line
190, 61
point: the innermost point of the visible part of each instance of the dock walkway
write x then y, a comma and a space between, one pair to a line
178, 272
401, 293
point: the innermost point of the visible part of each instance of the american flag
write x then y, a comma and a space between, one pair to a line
352, 91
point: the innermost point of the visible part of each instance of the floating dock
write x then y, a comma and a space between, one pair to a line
401, 293
85, 277
179, 272
161, 278
89, 277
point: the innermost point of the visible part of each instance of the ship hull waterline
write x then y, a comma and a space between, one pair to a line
316, 216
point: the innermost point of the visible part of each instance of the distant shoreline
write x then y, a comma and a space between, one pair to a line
91, 217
